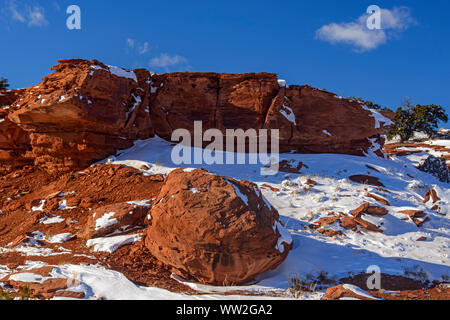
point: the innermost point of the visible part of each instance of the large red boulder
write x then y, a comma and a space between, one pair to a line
215, 230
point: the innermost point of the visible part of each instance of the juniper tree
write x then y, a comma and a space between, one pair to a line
418, 118
3, 83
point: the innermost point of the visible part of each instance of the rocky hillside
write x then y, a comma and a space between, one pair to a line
91, 200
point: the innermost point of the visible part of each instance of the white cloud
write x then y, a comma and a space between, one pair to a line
143, 49
165, 61
360, 37
137, 46
131, 42
33, 16
36, 16
15, 14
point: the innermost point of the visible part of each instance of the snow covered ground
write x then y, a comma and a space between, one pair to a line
396, 251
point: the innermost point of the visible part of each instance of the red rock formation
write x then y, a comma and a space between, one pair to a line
320, 122
215, 229
14, 141
85, 111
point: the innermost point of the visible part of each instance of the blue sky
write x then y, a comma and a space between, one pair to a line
320, 43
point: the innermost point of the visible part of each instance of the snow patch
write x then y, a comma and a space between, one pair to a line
105, 221
111, 244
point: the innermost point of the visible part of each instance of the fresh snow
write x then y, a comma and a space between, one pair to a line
194, 190
117, 71
120, 72
105, 221
61, 238
359, 291
282, 83
379, 118
40, 207
395, 251
111, 244
238, 192
47, 220
285, 236
63, 206
142, 203
289, 114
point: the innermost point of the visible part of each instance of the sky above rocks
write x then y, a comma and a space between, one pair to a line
325, 44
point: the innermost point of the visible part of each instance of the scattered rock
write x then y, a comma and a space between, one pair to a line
413, 214
368, 225
431, 194
379, 199
349, 223
377, 211
364, 179
270, 188
360, 210
311, 182
118, 217
346, 291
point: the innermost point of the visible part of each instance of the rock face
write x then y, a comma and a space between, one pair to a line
346, 291
14, 141
319, 122
215, 229
86, 110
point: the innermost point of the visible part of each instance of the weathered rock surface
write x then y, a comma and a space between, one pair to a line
14, 141
215, 229
86, 110
319, 122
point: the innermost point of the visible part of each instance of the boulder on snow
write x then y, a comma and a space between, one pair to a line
436, 167
215, 230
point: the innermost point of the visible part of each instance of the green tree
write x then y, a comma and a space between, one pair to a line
420, 118
369, 104
3, 83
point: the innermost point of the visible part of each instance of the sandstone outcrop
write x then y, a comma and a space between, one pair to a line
86, 111
14, 141
83, 112
215, 229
